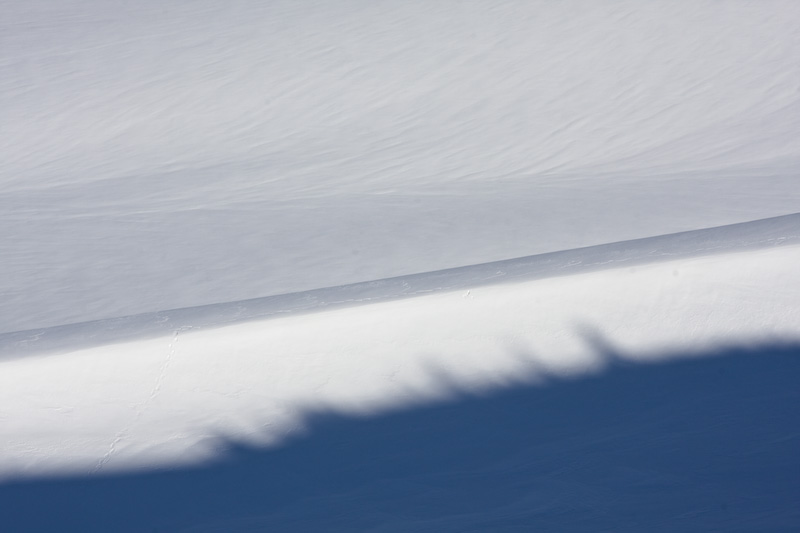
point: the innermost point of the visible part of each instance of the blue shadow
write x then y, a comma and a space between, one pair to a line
705, 443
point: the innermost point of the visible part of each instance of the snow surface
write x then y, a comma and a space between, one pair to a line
158, 156
290, 265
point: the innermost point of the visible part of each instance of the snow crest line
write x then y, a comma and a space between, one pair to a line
764, 233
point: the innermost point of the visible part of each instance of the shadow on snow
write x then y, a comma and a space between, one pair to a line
708, 442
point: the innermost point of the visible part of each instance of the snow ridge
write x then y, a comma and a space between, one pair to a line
764, 233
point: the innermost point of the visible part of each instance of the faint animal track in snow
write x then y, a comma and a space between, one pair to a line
141, 407
111, 449
162, 372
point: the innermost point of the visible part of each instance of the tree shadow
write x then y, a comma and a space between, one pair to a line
706, 441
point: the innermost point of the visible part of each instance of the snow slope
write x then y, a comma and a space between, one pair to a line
158, 156
297, 262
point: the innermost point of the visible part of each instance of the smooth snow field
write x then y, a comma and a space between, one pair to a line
455, 266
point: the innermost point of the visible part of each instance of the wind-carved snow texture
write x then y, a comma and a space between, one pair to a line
167, 156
